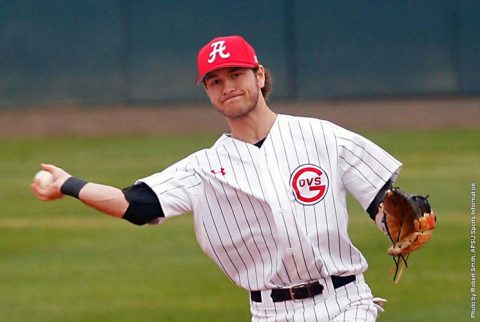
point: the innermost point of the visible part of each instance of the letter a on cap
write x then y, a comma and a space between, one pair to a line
218, 48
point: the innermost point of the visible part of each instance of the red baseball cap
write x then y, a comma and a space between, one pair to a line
227, 51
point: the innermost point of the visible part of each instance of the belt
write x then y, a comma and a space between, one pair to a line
302, 291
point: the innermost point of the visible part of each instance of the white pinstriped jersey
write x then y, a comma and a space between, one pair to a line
276, 216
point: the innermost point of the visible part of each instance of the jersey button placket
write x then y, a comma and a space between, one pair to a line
287, 223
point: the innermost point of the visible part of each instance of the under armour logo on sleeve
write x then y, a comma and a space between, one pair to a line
218, 47
222, 171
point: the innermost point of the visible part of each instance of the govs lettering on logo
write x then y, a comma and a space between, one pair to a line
309, 183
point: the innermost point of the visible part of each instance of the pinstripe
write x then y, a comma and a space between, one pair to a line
223, 246
348, 297
332, 194
228, 231
276, 315
315, 309
239, 256
315, 209
298, 162
363, 161
179, 187
286, 310
293, 145
163, 182
359, 172
178, 179
333, 197
326, 309
358, 295
239, 228
366, 151
216, 256
303, 312
243, 240
356, 314
337, 301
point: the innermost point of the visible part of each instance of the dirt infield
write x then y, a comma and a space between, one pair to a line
354, 114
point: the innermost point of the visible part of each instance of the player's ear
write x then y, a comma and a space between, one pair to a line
260, 74
205, 87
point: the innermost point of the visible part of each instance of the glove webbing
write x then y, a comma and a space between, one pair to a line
396, 259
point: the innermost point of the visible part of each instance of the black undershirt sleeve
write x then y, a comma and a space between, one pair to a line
143, 204
372, 209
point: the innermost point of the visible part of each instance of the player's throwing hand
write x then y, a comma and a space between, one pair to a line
50, 191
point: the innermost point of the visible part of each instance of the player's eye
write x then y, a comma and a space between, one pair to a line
213, 82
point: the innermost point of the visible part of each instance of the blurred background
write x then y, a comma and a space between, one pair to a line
106, 90
144, 52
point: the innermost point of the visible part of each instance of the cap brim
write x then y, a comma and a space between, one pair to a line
219, 66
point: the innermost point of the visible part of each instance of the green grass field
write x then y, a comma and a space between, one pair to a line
61, 261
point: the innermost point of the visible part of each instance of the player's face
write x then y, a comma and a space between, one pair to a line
234, 91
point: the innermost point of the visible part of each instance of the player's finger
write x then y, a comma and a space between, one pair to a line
45, 194
37, 191
380, 301
48, 167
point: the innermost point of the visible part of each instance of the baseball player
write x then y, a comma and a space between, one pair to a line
268, 199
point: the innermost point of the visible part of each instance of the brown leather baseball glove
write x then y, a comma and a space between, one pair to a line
409, 222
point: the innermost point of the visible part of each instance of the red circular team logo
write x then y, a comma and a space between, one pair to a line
309, 183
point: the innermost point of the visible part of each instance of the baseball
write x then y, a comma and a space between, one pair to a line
44, 178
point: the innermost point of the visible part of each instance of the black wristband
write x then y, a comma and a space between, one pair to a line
72, 187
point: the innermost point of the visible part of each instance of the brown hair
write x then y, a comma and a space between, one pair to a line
267, 88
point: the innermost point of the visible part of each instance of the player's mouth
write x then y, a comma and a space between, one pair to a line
230, 97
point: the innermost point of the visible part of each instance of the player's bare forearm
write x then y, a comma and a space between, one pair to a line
107, 199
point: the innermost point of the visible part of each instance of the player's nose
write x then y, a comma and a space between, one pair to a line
228, 87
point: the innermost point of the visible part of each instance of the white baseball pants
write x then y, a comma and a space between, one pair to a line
350, 303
